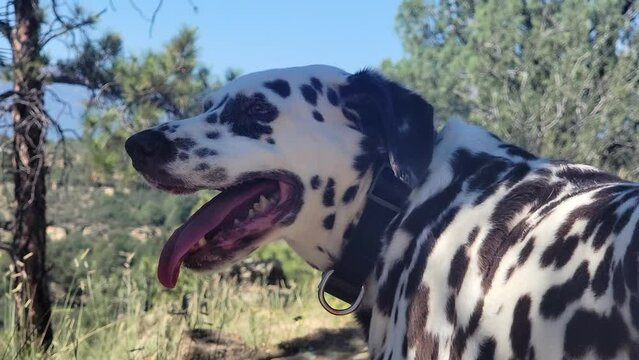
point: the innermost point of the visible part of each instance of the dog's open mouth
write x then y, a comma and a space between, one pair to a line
233, 221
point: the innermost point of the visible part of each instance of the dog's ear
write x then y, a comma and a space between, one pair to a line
398, 119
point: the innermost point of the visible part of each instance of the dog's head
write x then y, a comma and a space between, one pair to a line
292, 152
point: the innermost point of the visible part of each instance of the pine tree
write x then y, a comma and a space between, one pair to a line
560, 78
146, 89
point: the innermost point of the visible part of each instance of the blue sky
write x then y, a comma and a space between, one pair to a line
248, 35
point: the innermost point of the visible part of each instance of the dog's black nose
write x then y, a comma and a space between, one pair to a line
149, 149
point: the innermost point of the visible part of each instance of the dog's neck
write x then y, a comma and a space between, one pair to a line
322, 248
319, 246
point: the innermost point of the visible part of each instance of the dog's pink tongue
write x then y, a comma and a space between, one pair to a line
185, 237
207, 218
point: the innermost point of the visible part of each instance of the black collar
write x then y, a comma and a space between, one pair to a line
384, 200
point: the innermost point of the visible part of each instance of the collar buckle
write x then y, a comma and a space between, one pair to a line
321, 295
346, 279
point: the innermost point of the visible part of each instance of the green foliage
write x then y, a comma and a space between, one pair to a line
560, 78
145, 90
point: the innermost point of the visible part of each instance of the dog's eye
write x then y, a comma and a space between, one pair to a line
258, 108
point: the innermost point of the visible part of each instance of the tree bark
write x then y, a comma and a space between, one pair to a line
30, 284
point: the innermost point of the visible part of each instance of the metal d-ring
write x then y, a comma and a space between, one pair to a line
322, 299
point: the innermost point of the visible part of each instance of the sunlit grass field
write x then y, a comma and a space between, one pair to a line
128, 316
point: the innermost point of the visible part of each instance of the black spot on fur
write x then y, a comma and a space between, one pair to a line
364, 160
164, 127
249, 116
558, 297
316, 84
280, 87
217, 175
316, 182
451, 315
605, 229
208, 104
328, 199
183, 156
513, 150
317, 116
525, 251
332, 97
618, 285
329, 222
622, 221
487, 349
588, 330
388, 288
473, 323
458, 268
202, 167
586, 177
212, 134
211, 118
634, 311
533, 193
352, 117
631, 261
601, 278
488, 175
559, 252
364, 319
426, 345
349, 194
310, 95
464, 164
520, 328
204, 152
472, 236
184, 143
461, 335
270, 141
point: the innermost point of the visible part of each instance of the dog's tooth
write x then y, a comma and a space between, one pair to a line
264, 202
236, 222
202, 242
251, 213
258, 206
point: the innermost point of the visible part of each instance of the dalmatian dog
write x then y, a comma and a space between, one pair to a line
493, 253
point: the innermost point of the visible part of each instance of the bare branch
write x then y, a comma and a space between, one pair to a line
5, 29
5, 95
138, 10
68, 79
69, 27
155, 14
150, 20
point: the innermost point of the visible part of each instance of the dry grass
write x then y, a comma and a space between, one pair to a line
112, 322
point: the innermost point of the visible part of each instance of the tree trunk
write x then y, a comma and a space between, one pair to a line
30, 285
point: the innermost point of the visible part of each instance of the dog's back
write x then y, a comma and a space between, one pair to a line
503, 255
